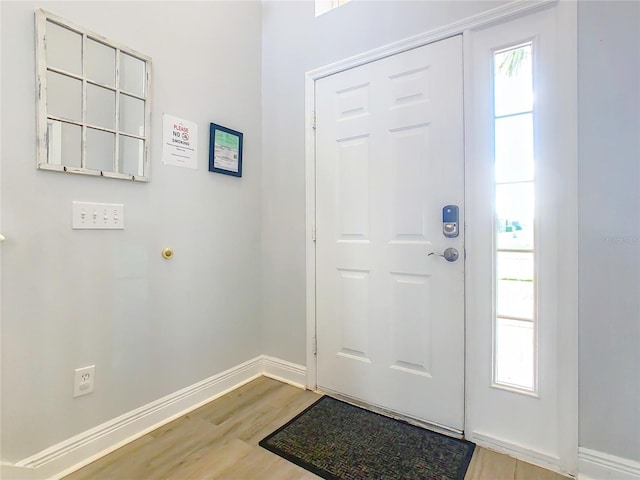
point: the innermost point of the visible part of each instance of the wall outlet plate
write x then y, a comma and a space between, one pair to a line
83, 380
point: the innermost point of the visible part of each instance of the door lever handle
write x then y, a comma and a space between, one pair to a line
450, 254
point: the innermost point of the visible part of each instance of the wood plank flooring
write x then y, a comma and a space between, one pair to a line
220, 441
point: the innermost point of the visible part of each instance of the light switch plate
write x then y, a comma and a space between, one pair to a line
98, 216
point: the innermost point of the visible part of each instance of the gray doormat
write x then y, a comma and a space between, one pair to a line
338, 441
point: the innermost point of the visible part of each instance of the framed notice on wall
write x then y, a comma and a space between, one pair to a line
225, 151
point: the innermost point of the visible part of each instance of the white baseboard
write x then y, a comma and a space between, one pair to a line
284, 371
69, 455
541, 459
594, 465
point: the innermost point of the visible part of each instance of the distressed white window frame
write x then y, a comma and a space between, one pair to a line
42, 17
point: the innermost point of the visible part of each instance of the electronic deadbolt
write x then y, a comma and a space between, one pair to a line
450, 221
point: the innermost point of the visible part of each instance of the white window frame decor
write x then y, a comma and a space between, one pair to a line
48, 122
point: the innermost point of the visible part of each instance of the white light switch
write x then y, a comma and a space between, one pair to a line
99, 216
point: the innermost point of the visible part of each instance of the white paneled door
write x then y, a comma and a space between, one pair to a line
389, 158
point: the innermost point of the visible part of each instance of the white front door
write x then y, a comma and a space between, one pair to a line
389, 157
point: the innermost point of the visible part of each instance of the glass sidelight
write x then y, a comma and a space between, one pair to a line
514, 342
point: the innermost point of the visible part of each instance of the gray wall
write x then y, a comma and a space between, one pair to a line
77, 298
609, 150
294, 42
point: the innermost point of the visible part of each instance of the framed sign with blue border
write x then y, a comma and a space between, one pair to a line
225, 150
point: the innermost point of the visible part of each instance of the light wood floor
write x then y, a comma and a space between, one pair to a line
220, 441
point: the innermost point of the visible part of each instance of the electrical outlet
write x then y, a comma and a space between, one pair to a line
83, 380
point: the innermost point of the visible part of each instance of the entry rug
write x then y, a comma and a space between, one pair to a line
338, 441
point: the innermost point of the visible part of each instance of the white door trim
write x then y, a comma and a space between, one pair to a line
567, 15
568, 334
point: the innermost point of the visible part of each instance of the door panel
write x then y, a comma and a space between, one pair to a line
389, 156
411, 324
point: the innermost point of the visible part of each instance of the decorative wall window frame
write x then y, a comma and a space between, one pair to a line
47, 122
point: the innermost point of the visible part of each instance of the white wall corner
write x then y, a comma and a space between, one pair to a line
284, 371
594, 465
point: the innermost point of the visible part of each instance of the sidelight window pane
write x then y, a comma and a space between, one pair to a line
514, 148
513, 81
515, 353
514, 209
514, 164
515, 288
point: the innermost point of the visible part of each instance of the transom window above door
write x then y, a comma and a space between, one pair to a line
93, 102
323, 6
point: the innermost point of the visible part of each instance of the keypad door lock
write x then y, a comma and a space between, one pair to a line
450, 221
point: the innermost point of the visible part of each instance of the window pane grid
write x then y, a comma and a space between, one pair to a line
84, 123
131, 135
514, 343
66, 73
101, 85
98, 104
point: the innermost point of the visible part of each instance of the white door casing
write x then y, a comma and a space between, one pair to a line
389, 157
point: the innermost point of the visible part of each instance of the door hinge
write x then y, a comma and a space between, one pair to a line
314, 234
313, 120
315, 345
